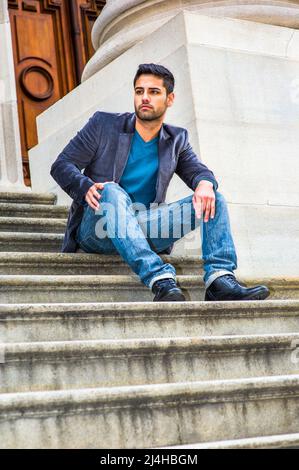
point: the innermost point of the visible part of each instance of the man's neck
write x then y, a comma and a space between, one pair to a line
148, 130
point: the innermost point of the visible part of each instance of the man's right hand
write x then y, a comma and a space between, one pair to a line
92, 196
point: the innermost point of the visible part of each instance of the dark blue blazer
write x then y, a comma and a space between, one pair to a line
102, 148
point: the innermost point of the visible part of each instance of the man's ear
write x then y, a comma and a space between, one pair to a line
170, 99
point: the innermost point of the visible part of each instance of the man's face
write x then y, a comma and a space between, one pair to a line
151, 100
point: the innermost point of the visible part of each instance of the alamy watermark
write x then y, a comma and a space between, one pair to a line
172, 221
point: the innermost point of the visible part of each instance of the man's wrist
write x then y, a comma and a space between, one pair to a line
201, 182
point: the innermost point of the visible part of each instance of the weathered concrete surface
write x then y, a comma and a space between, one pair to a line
83, 263
128, 320
150, 415
125, 373
27, 198
116, 363
22, 241
114, 288
32, 224
13, 209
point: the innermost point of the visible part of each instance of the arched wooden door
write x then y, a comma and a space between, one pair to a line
51, 45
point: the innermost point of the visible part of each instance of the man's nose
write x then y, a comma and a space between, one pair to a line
145, 98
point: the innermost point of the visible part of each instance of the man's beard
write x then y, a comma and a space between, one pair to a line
149, 115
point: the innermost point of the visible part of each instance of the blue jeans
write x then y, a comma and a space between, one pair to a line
138, 234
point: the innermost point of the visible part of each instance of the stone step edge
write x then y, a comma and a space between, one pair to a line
19, 197
41, 221
79, 258
85, 280
124, 280
10, 206
226, 345
259, 442
30, 236
18, 405
133, 309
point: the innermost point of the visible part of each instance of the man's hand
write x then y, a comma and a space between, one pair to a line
92, 196
204, 200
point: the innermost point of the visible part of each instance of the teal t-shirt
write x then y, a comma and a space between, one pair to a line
140, 175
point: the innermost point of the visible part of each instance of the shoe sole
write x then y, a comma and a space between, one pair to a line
259, 296
172, 298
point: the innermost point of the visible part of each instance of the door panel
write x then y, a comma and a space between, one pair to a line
51, 45
83, 16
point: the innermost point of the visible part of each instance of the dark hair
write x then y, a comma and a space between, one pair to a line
158, 71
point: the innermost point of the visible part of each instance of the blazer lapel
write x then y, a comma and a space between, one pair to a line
123, 148
164, 146
122, 154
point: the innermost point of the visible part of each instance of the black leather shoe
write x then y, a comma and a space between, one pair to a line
228, 288
166, 290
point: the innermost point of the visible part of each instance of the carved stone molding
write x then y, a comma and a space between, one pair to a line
123, 24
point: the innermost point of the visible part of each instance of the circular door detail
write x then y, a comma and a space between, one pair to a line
37, 83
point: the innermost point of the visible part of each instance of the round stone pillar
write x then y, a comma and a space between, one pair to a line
124, 23
11, 169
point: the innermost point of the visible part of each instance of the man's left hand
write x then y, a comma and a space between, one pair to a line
204, 200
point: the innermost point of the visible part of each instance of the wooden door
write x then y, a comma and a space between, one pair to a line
51, 45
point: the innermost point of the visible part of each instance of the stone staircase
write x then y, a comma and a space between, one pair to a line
86, 364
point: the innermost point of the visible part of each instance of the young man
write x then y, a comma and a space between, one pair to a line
128, 161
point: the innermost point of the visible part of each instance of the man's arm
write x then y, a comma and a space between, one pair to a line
191, 170
66, 170
199, 178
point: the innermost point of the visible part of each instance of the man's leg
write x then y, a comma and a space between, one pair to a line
220, 260
165, 225
168, 223
152, 231
218, 250
115, 229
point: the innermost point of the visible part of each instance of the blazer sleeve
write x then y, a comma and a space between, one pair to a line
66, 170
190, 169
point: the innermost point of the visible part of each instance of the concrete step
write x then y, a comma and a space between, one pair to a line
22, 224
28, 198
106, 288
37, 242
281, 441
96, 288
115, 363
104, 321
33, 210
147, 416
83, 263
